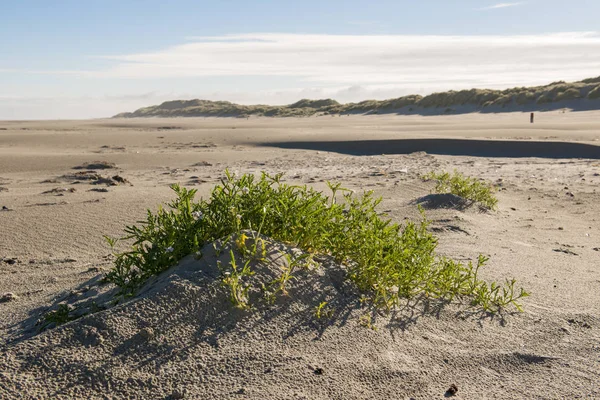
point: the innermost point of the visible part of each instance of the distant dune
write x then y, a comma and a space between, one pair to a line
576, 96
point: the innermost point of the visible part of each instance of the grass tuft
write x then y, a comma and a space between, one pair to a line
466, 187
387, 262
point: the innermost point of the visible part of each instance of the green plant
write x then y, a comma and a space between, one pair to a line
163, 239
464, 186
291, 263
235, 280
322, 311
387, 262
367, 321
594, 93
492, 296
57, 317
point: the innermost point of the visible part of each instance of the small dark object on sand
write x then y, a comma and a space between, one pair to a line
97, 165
177, 394
6, 297
79, 176
566, 251
319, 371
59, 191
105, 181
452, 390
119, 179
4, 208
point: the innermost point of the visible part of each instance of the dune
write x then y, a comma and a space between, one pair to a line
554, 96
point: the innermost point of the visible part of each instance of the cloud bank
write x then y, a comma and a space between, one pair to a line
351, 60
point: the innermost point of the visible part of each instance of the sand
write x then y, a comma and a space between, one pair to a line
181, 339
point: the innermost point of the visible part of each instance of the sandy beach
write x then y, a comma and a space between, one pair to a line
545, 234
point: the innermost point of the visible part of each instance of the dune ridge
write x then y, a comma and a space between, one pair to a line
582, 95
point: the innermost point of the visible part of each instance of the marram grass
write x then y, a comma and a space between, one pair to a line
387, 262
466, 187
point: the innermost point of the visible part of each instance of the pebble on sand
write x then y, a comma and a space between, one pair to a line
6, 297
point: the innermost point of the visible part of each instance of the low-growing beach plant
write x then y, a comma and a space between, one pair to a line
366, 320
235, 279
322, 311
57, 317
286, 274
466, 187
387, 262
319, 309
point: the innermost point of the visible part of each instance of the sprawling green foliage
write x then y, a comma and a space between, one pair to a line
464, 186
56, 317
386, 261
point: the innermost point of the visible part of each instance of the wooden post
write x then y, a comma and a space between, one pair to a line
531, 118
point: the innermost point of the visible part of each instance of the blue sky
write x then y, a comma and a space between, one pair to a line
70, 59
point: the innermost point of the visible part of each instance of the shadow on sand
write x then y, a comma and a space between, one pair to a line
451, 147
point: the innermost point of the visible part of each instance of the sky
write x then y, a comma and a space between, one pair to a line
67, 59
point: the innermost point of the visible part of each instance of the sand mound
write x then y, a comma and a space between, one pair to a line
180, 337
181, 321
443, 200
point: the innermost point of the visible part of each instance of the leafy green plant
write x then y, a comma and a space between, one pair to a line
57, 317
291, 264
367, 321
323, 311
464, 186
235, 280
492, 296
387, 262
163, 239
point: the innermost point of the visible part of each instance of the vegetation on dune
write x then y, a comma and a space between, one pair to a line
306, 103
591, 80
57, 317
594, 93
568, 94
387, 262
466, 187
471, 100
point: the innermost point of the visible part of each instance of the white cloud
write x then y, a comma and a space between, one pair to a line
501, 5
378, 59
